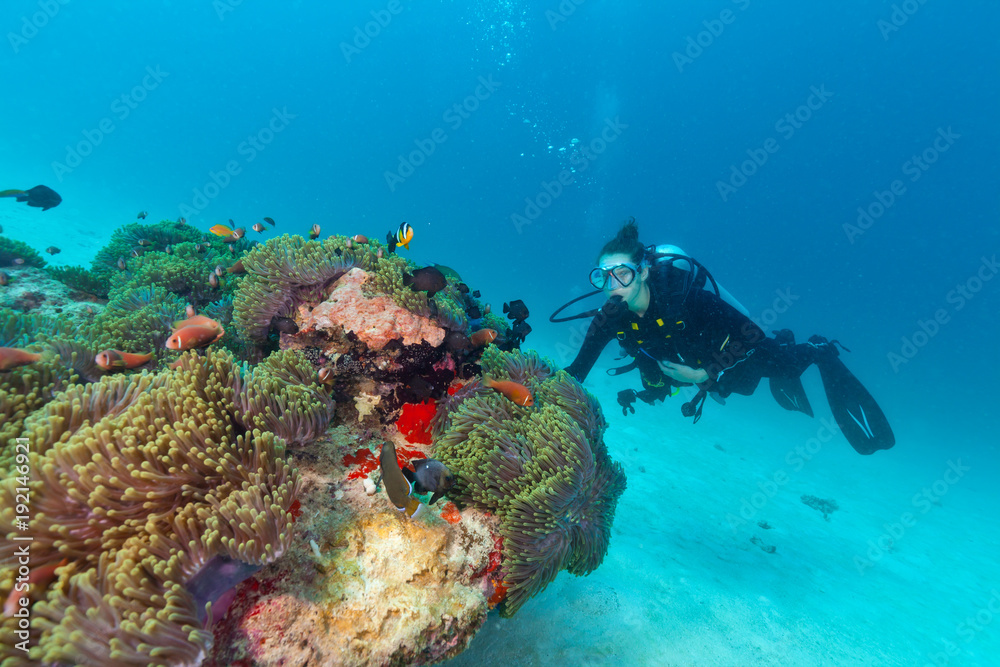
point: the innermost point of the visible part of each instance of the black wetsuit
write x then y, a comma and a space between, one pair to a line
701, 332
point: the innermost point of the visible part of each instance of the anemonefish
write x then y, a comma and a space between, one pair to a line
196, 321
314, 232
514, 391
397, 487
359, 238
404, 235
220, 230
12, 357
191, 337
114, 360
483, 337
43, 576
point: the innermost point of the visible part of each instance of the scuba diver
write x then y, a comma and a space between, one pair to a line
681, 329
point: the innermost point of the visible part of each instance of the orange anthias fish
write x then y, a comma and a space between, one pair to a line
191, 337
483, 337
12, 357
115, 360
220, 230
514, 391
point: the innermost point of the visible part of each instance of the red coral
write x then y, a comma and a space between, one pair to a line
365, 461
454, 388
451, 514
415, 422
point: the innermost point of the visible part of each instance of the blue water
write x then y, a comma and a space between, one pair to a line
227, 110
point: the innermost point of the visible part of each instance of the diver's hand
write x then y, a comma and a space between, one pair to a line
683, 373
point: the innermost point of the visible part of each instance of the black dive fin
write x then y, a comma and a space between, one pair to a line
790, 394
858, 415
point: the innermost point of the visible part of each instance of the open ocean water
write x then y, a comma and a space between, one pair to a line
835, 167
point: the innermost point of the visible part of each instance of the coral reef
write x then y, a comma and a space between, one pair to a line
544, 471
374, 320
138, 484
79, 279
361, 585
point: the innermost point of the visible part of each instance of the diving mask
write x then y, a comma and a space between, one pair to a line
623, 274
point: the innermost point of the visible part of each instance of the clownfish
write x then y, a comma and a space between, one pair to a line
514, 391
404, 235
483, 337
196, 321
115, 360
397, 487
191, 337
12, 357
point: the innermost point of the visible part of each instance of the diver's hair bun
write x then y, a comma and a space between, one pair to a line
626, 241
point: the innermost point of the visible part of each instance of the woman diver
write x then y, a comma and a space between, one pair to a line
682, 329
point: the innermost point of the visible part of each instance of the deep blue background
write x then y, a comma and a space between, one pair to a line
782, 230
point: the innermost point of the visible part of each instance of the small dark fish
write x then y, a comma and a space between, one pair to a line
521, 329
456, 341
390, 239
259, 227
52, 250
338, 252
142, 215
182, 221
169, 250
314, 232
218, 270
135, 252
144, 242
213, 280
40, 196
232, 250
231, 223
473, 312
269, 221
121, 263
4, 278
463, 288
431, 476
475, 294
428, 279
285, 325
516, 310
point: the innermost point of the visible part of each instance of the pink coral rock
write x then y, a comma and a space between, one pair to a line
374, 320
